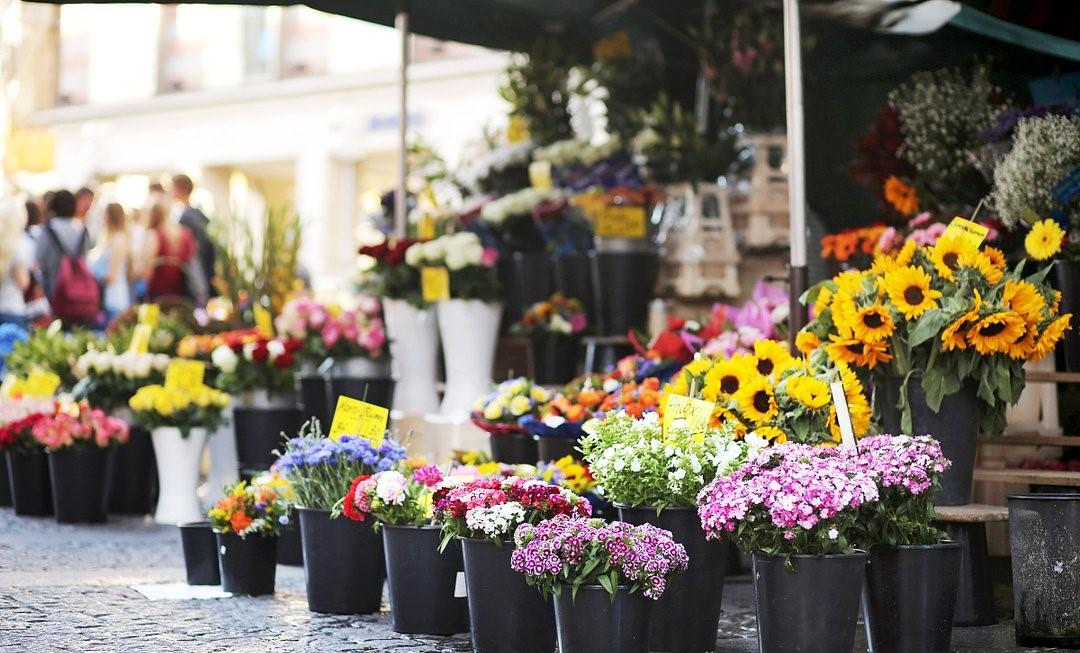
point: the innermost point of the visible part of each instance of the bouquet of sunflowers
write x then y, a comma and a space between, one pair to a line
950, 313
185, 408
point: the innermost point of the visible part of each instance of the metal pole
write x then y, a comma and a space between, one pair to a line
401, 22
796, 163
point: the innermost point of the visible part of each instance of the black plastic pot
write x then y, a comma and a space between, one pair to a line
1044, 535
505, 614
623, 282
554, 357
422, 582
134, 476
687, 616
956, 427
593, 623
911, 597
1066, 278
514, 448
812, 609
573, 278
527, 278
31, 491
343, 563
548, 448
378, 391
314, 399
200, 553
261, 431
289, 549
80, 483
886, 400
248, 564
5, 484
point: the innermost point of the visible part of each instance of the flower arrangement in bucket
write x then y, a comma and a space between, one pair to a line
107, 379
183, 408
17, 419
334, 331
257, 363
470, 264
391, 277
762, 317
502, 412
392, 497
77, 424
247, 521
557, 315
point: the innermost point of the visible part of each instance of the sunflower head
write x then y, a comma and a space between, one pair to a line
996, 332
1044, 240
1049, 337
947, 255
771, 433
873, 323
1024, 298
996, 256
808, 391
901, 196
771, 357
728, 376
973, 258
757, 402
806, 341
909, 290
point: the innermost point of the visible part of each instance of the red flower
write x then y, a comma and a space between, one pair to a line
669, 346
397, 252
259, 354
293, 345
375, 251
285, 360
348, 504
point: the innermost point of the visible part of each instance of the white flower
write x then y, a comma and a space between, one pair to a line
225, 359
390, 487
456, 259
833, 533
275, 348
414, 256
635, 465
610, 385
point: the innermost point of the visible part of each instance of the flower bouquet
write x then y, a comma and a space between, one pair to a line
390, 277
343, 559
257, 363
611, 570
24, 469
108, 380
553, 327
796, 509
501, 412
332, 331
763, 316
248, 521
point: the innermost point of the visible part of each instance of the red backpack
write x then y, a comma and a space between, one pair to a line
76, 296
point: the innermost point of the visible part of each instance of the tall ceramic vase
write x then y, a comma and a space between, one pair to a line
224, 464
414, 350
469, 329
178, 474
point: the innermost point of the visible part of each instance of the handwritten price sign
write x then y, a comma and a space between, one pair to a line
963, 229
184, 374
434, 283
621, 222
355, 417
695, 412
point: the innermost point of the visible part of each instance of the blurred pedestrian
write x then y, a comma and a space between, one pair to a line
112, 262
16, 260
198, 223
170, 249
69, 285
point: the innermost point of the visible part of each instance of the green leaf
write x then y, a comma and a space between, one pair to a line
605, 582
928, 326
933, 383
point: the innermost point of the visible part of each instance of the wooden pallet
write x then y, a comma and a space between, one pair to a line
1028, 477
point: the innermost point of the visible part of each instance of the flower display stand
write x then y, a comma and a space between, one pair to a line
443, 435
761, 213
414, 346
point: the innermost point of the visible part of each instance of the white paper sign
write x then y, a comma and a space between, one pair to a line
180, 592
459, 586
843, 417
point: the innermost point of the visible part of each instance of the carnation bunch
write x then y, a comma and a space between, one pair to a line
108, 379
390, 277
908, 472
250, 510
184, 408
77, 424
509, 402
635, 463
17, 419
334, 331
576, 552
469, 263
257, 363
393, 497
517, 204
790, 499
490, 508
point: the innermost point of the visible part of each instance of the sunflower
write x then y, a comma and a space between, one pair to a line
873, 323
907, 253
728, 376
722, 416
883, 263
806, 341
849, 281
955, 335
1044, 240
843, 311
847, 350
772, 357
901, 196
996, 332
947, 255
1025, 345
757, 401
996, 256
808, 391
973, 258
1055, 304
824, 298
1024, 298
771, 433
1049, 337
909, 290
874, 353
858, 406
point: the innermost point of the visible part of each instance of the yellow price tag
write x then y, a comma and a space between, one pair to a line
355, 417
149, 314
140, 338
426, 230
434, 283
621, 222
184, 374
963, 229
264, 324
540, 175
41, 384
696, 412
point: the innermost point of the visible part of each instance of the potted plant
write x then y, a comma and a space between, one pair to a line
247, 522
423, 581
27, 463
944, 330
468, 319
108, 380
260, 372
614, 572
654, 477
80, 442
343, 559
913, 572
178, 419
558, 427
290, 550
505, 615
500, 413
796, 509
554, 329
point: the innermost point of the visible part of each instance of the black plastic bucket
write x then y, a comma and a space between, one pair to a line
573, 278
200, 553
555, 357
687, 616
527, 277
623, 282
261, 431
592, 622
427, 591
5, 484
80, 484
134, 476
956, 427
514, 448
343, 563
813, 609
378, 391
886, 401
31, 491
314, 398
552, 448
289, 549
505, 614
1044, 535
911, 597
248, 564
1066, 278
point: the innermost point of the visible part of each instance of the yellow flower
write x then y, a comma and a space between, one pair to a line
996, 256
996, 332
539, 394
806, 341
822, 301
728, 376
771, 433
1025, 345
757, 401
946, 255
1044, 240
981, 262
808, 391
858, 352
873, 323
493, 411
858, 405
520, 405
843, 312
909, 290
1024, 298
907, 253
165, 404
901, 196
1055, 305
850, 281
772, 357
1049, 337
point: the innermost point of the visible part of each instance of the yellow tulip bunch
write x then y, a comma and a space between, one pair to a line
157, 405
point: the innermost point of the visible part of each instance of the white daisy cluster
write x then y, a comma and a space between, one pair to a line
573, 150
520, 203
130, 365
455, 251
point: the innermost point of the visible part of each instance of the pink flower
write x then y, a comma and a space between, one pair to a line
920, 219
373, 338
490, 257
318, 317
331, 333
887, 240
369, 305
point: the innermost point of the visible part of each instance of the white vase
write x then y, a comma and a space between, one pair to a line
224, 463
361, 368
414, 349
178, 474
469, 329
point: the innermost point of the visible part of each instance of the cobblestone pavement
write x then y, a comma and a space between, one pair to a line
68, 588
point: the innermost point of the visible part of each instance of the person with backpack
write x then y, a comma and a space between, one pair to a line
69, 285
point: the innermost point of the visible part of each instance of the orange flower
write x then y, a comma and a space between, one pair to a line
239, 521
902, 196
